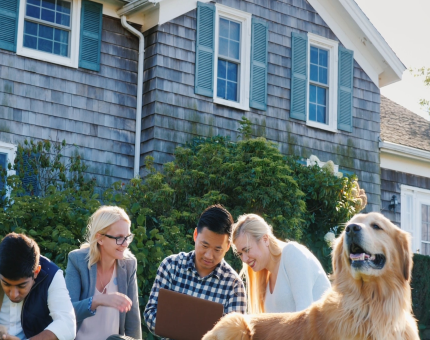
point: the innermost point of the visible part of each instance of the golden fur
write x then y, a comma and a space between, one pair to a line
369, 300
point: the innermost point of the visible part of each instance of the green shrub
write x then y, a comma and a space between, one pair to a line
421, 290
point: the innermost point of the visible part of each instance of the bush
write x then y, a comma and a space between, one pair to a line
421, 291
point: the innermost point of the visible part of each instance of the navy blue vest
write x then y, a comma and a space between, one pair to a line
35, 312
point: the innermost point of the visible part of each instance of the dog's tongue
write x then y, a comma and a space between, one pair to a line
358, 257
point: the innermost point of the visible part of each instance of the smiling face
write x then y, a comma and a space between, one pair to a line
254, 253
373, 247
210, 249
108, 246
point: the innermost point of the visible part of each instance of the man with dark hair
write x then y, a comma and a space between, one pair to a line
198, 272
34, 300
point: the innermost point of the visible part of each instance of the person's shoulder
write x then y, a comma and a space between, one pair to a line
228, 271
292, 248
79, 253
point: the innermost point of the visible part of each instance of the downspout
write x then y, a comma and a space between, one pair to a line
139, 92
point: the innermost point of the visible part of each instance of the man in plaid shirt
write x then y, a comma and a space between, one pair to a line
202, 273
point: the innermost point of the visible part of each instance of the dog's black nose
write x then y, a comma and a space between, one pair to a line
352, 229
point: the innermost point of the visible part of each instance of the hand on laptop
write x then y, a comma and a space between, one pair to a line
116, 300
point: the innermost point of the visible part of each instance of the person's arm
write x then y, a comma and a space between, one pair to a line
237, 300
45, 335
301, 275
162, 280
132, 318
63, 324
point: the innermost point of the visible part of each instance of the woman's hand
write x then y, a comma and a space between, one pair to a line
115, 300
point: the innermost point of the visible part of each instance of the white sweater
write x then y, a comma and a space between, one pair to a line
301, 281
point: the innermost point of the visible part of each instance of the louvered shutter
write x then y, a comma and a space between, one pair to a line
8, 24
345, 88
205, 46
258, 87
3, 165
299, 76
91, 35
26, 171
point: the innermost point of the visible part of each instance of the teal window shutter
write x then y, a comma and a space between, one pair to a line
345, 88
9, 10
299, 75
258, 88
91, 35
205, 50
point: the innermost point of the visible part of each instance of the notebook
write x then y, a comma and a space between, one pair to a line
185, 317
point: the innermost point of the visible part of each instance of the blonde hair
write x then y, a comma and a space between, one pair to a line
99, 223
256, 282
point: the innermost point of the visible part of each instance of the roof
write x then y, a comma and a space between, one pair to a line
403, 127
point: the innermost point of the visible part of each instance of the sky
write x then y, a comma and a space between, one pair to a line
406, 28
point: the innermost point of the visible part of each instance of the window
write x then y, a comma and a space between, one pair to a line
322, 82
7, 155
49, 30
232, 62
415, 217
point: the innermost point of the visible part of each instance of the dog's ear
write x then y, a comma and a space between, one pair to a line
404, 241
336, 255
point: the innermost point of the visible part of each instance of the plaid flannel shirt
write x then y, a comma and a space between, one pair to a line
178, 273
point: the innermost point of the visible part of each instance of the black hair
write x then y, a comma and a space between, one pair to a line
217, 219
19, 256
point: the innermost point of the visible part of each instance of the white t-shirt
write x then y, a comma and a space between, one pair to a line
106, 320
301, 281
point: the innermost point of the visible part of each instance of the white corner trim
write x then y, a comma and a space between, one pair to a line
73, 59
404, 151
245, 55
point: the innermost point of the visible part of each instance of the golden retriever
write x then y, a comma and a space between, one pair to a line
370, 298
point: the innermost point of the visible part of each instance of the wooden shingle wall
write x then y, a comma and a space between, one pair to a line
391, 182
94, 110
175, 114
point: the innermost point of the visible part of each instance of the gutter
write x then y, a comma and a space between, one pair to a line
139, 92
136, 6
404, 151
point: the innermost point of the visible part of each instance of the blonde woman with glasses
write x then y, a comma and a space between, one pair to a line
101, 279
280, 276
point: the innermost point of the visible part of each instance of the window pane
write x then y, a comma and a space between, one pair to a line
223, 27
48, 15
46, 32
321, 114
312, 94
314, 55
223, 47
321, 95
221, 86
312, 112
34, 2
48, 4
30, 28
234, 50
232, 91
232, 72
314, 73
33, 11
63, 6
222, 69
322, 75
63, 19
234, 31
45, 45
61, 36
60, 49
30, 41
323, 58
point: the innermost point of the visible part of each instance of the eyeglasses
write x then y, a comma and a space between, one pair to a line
120, 240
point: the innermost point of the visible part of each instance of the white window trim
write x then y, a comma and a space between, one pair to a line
75, 25
419, 196
333, 48
10, 149
245, 55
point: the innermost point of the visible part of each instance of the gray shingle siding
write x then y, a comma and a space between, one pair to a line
179, 114
94, 110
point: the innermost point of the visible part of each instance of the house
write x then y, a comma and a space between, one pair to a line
306, 73
405, 172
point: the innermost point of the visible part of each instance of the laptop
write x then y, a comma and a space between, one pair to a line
185, 317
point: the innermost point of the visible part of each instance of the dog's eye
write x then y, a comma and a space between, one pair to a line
376, 227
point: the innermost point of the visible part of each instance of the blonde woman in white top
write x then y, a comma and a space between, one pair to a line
280, 276
101, 279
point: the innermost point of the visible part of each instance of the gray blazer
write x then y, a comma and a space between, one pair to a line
81, 283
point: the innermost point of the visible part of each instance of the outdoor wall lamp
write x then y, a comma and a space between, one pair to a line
393, 203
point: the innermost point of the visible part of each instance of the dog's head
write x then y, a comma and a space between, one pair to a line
370, 247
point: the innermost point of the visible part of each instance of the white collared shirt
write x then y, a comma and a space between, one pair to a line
60, 310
